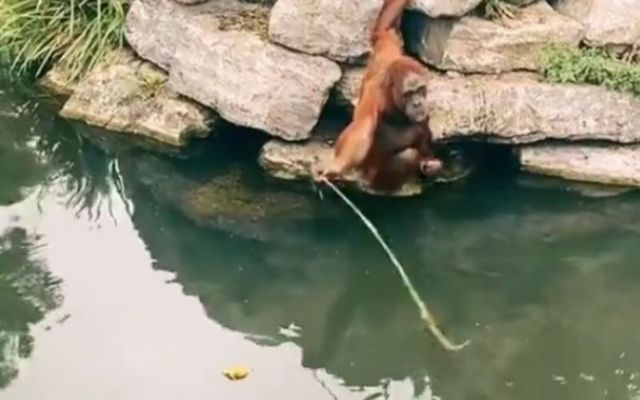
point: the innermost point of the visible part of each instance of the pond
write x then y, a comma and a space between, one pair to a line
128, 272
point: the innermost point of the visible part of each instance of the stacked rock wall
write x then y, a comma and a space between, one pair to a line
275, 69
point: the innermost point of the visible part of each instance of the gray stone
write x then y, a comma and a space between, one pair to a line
348, 87
443, 8
607, 22
519, 109
247, 80
224, 200
477, 45
128, 95
336, 29
57, 80
607, 164
298, 161
191, 2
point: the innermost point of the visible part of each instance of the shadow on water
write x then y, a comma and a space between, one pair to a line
543, 280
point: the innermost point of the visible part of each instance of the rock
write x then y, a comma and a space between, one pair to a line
57, 81
128, 95
337, 29
227, 201
585, 189
607, 22
477, 45
348, 87
191, 2
519, 109
293, 160
287, 160
247, 80
443, 8
298, 161
607, 164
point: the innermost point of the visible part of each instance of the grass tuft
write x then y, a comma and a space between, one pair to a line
498, 9
76, 33
590, 66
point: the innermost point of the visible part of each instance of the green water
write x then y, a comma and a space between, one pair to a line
132, 274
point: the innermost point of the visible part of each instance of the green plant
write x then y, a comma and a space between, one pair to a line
150, 84
497, 9
76, 33
591, 66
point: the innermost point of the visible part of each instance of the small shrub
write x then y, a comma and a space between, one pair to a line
591, 66
76, 33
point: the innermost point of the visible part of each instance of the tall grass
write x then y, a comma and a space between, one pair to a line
76, 33
591, 66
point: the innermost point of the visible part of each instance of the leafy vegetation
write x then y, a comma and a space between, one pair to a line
591, 66
497, 9
76, 33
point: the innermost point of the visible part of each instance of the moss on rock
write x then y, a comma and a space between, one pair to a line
256, 21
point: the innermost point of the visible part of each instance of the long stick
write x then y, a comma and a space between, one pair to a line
425, 315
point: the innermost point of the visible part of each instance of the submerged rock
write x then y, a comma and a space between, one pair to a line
477, 45
226, 201
212, 59
585, 189
607, 164
128, 95
607, 22
299, 160
337, 29
443, 8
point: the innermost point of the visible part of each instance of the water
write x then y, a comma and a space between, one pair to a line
128, 273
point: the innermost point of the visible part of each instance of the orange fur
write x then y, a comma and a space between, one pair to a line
380, 141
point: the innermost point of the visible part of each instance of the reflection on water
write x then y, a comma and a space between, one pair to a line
27, 291
175, 266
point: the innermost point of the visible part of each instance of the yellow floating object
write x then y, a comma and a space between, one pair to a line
236, 373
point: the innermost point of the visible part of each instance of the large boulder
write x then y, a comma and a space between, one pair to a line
607, 22
443, 8
596, 163
213, 59
337, 29
519, 109
474, 44
126, 94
